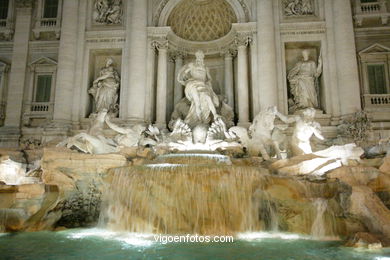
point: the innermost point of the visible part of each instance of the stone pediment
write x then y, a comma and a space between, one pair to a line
375, 49
43, 61
4, 66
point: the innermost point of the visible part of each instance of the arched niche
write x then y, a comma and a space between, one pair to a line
163, 12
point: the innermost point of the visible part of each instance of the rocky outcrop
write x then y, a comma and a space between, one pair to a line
27, 207
364, 240
385, 167
80, 178
364, 204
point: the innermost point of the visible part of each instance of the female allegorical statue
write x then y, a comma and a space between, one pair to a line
105, 89
302, 80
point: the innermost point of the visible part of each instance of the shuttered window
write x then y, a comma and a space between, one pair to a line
4, 9
43, 90
50, 9
376, 79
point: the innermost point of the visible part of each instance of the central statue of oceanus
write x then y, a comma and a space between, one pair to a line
196, 78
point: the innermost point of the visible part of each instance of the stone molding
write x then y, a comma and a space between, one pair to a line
24, 3
164, 9
227, 42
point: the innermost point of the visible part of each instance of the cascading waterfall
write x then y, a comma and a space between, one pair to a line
3, 220
268, 213
318, 229
184, 198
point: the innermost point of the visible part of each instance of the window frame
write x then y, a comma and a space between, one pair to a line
35, 89
44, 10
367, 89
8, 10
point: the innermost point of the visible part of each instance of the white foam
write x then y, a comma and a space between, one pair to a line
163, 165
133, 239
266, 235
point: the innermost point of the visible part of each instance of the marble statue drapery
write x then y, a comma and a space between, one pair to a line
105, 89
196, 78
302, 78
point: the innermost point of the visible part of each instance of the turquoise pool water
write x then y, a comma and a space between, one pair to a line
99, 244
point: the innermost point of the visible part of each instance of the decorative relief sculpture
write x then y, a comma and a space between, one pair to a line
263, 136
108, 11
93, 141
183, 107
304, 85
105, 89
196, 78
305, 128
127, 136
298, 7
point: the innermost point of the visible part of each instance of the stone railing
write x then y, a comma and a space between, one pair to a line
3, 23
41, 107
48, 22
37, 111
377, 100
376, 9
47, 25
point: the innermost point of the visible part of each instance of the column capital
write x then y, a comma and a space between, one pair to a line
160, 44
176, 55
243, 39
229, 53
24, 3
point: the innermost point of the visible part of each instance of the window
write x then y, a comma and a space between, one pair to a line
377, 79
4, 9
43, 88
50, 9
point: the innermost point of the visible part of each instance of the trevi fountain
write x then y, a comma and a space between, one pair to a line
180, 119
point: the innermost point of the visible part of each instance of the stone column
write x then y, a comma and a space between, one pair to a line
347, 70
267, 76
137, 42
162, 70
18, 67
242, 42
66, 65
178, 90
229, 80
150, 79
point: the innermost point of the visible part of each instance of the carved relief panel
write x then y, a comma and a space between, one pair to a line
107, 12
306, 10
293, 8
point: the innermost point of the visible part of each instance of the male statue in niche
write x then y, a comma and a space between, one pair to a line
303, 78
196, 78
105, 89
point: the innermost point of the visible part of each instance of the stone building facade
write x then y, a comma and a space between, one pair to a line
51, 51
